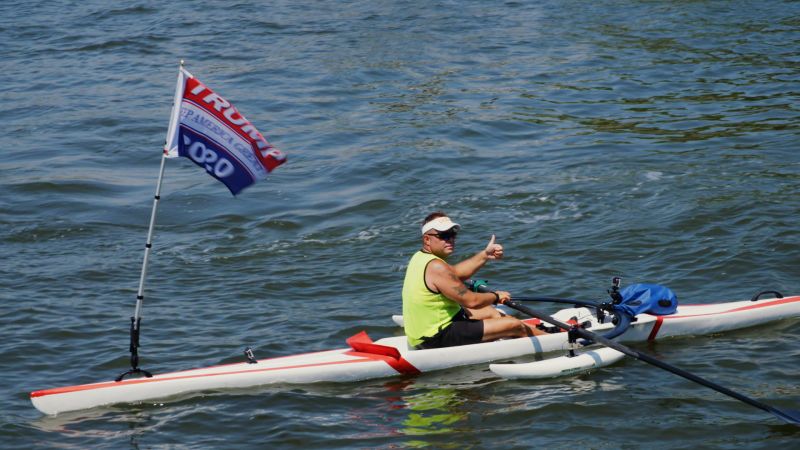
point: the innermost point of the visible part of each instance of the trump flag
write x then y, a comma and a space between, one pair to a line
207, 129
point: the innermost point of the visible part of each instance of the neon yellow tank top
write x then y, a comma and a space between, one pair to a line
424, 312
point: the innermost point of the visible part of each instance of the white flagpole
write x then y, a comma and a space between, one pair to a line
136, 320
149, 245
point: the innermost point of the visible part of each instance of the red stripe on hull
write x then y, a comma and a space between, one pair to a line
755, 305
110, 384
656, 327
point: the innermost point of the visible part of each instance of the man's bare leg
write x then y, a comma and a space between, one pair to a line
507, 327
487, 312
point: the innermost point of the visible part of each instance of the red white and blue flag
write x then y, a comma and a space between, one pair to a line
207, 129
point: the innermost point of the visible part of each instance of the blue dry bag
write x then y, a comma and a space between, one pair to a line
649, 299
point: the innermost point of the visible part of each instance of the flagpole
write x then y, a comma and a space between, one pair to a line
136, 320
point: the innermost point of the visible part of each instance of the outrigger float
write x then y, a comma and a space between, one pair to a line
364, 359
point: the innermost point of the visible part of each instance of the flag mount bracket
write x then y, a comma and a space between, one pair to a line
135, 325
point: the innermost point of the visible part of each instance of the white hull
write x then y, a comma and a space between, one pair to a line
391, 356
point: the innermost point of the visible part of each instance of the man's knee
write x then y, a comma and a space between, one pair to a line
522, 329
515, 326
483, 313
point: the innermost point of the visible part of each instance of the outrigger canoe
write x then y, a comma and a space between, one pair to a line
364, 359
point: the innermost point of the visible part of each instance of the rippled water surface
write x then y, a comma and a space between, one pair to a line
656, 140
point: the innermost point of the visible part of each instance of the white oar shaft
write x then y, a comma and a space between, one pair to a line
148, 246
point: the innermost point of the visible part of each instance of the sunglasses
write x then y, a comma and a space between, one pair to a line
448, 235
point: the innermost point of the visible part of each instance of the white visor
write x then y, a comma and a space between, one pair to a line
440, 224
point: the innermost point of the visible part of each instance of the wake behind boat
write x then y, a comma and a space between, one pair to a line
364, 359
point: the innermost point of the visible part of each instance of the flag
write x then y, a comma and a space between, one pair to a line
207, 129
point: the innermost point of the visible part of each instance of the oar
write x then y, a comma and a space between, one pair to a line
790, 415
567, 301
483, 286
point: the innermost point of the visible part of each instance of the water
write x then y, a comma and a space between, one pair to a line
653, 140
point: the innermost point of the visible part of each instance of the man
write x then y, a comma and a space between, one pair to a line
438, 309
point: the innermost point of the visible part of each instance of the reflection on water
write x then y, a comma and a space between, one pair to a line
426, 412
103, 423
434, 411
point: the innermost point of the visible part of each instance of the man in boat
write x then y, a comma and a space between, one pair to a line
438, 309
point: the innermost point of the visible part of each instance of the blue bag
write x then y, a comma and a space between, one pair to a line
649, 299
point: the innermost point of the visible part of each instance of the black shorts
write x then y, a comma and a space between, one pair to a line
461, 331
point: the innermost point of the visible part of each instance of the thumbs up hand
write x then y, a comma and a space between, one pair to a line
494, 251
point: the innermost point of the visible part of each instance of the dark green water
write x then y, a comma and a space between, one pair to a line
653, 140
